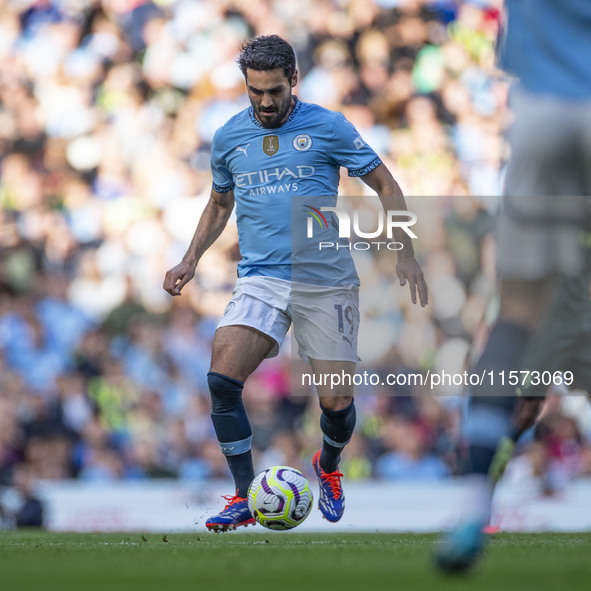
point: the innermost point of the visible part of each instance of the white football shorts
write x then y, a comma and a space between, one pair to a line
546, 188
325, 318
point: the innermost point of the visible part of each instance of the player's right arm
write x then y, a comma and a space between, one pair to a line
213, 220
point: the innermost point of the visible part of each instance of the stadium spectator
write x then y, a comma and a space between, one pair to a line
406, 455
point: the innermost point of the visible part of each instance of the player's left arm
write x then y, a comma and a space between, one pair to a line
408, 269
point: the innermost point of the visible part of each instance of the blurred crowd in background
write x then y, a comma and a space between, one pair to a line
107, 112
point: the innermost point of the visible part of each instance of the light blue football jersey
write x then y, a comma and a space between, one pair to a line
547, 45
270, 169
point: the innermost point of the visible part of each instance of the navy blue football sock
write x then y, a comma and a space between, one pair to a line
232, 428
504, 352
481, 458
337, 428
490, 434
489, 428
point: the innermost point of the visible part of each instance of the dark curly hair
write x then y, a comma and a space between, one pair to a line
267, 52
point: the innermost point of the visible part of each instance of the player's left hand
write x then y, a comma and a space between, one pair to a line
409, 270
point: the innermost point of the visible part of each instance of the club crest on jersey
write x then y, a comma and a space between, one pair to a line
302, 142
270, 145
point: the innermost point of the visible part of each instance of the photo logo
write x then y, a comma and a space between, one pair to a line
350, 228
318, 216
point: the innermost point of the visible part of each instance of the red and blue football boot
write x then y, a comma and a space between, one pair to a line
331, 501
235, 514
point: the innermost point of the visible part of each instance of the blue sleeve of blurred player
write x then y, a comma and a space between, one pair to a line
546, 44
222, 177
349, 149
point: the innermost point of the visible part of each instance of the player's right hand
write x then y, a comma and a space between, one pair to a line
177, 277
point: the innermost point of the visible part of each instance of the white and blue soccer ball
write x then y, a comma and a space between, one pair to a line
280, 498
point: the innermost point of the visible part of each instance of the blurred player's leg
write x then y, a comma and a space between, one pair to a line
519, 340
490, 439
536, 240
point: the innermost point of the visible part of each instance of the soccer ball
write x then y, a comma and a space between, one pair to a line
280, 498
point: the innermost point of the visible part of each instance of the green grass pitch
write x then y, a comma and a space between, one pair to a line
45, 561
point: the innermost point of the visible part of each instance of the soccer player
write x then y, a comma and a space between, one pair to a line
545, 314
278, 149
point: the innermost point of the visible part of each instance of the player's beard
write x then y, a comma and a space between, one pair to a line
278, 114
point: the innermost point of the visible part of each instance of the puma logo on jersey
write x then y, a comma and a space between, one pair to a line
241, 149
